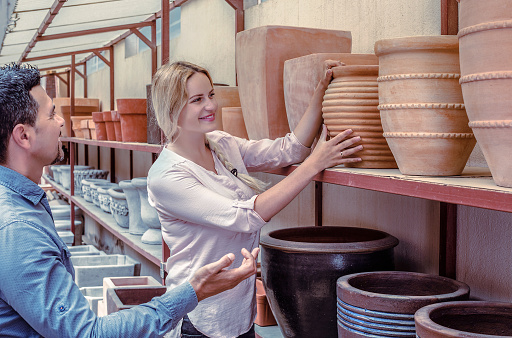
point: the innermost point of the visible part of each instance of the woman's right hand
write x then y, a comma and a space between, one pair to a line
336, 151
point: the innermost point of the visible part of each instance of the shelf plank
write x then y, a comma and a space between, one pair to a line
474, 187
144, 147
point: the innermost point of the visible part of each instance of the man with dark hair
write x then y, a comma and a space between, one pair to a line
38, 296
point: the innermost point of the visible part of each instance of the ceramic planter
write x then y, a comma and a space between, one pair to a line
76, 124
109, 125
65, 224
65, 174
233, 122
104, 197
90, 270
87, 174
63, 212
84, 125
471, 319
383, 303
119, 207
421, 105
301, 75
148, 213
86, 187
85, 250
99, 124
350, 102
93, 294
95, 194
264, 315
226, 96
125, 298
67, 237
128, 282
136, 225
117, 125
83, 106
300, 266
133, 119
260, 56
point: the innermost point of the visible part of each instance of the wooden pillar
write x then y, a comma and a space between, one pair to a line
449, 17
154, 54
165, 32
112, 97
448, 240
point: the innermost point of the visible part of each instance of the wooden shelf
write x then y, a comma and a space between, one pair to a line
152, 252
474, 187
145, 147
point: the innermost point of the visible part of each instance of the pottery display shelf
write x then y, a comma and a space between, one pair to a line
153, 253
474, 187
136, 146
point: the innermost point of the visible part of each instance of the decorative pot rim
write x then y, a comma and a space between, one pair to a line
440, 105
417, 43
107, 116
485, 26
358, 70
117, 192
140, 182
383, 242
428, 135
491, 124
93, 180
423, 320
81, 167
345, 283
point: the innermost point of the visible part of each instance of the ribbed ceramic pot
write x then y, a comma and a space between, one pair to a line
119, 207
300, 266
421, 105
233, 122
383, 303
65, 174
136, 225
149, 215
132, 113
350, 102
470, 319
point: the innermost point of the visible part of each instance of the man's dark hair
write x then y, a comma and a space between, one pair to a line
17, 106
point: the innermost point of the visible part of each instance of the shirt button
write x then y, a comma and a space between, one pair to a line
61, 308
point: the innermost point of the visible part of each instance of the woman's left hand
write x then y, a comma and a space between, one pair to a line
328, 64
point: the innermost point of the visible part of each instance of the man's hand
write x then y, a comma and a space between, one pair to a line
213, 278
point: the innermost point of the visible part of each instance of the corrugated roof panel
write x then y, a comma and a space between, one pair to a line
31, 5
54, 45
15, 38
29, 20
68, 49
13, 50
96, 24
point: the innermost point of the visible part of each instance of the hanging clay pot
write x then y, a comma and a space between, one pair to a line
136, 225
226, 96
383, 303
350, 102
133, 119
300, 266
458, 319
301, 76
421, 106
233, 122
260, 56
148, 213
99, 124
83, 106
117, 125
109, 125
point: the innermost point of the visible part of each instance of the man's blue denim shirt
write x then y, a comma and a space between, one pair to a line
38, 296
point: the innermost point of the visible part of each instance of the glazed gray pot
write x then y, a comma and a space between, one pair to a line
148, 213
119, 207
300, 266
136, 225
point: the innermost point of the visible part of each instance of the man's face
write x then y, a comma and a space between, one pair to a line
47, 146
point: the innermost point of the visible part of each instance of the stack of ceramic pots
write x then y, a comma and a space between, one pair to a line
485, 40
350, 102
421, 106
80, 175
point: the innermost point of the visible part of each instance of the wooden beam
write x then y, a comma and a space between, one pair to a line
62, 79
449, 17
54, 10
144, 39
112, 97
238, 6
154, 52
104, 59
85, 84
165, 32
94, 31
44, 57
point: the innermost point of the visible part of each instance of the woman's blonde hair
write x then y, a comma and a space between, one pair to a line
169, 96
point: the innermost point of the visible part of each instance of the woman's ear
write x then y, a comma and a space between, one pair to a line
21, 135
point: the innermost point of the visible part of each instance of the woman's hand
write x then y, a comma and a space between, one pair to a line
328, 65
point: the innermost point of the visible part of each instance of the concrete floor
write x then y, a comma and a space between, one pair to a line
268, 331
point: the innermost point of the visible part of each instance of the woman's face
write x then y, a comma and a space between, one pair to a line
198, 115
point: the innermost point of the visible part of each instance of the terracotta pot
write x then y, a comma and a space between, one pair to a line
125, 298
109, 125
226, 96
76, 124
350, 102
83, 106
133, 119
421, 105
472, 319
300, 266
233, 122
84, 126
117, 126
99, 124
260, 56
383, 303
301, 75
264, 315
92, 129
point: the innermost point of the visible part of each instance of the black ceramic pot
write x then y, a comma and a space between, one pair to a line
300, 266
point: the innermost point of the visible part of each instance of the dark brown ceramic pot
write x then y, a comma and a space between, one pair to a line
464, 319
383, 303
300, 266
133, 119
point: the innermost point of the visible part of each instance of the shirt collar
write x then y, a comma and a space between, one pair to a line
21, 185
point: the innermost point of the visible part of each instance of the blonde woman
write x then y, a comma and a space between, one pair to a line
207, 202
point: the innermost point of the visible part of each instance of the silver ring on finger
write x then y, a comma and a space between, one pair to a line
341, 153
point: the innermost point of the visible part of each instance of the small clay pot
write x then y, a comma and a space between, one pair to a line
76, 124
99, 124
109, 125
133, 119
226, 96
233, 122
84, 126
117, 125
471, 319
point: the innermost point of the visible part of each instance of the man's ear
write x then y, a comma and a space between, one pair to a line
21, 135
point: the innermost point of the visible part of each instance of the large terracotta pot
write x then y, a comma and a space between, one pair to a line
233, 122
421, 105
260, 56
350, 102
226, 96
472, 319
301, 75
383, 303
485, 39
133, 119
99, 125
300, 266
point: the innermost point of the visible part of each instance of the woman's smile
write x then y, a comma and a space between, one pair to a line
208, 118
